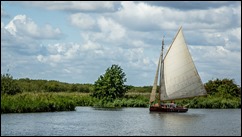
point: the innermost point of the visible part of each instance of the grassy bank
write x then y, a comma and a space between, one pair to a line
211, 102
67, 101
26, 95
62, 101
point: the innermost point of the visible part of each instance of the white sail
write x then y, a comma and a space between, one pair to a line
181, 79
154, 88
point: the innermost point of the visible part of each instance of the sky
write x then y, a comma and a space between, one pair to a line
76, 41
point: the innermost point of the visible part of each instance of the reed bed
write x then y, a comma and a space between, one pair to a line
62, 101
67, 101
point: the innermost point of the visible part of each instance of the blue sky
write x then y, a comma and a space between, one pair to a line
76, 42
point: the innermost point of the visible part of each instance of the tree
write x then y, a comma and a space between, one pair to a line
223, 87
110, 85
8, 85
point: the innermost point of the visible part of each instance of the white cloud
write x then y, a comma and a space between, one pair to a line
138, 43
100, 29
40, 58
91, 6
58, 48
221, 62
91, 46
66, 52
112, 29
141, 16
236, 32
25, 37
72, 51
23, 26
83, 21
55, 58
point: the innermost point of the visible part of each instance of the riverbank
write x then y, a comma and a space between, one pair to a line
62, 101
67, 101
26, 95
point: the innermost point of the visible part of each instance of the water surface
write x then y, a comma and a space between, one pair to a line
87, 121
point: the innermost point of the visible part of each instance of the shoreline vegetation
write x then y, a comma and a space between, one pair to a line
51, 96
64, 101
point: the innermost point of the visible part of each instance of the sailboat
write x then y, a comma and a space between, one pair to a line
178, 77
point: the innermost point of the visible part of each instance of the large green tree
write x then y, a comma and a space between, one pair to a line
110, 85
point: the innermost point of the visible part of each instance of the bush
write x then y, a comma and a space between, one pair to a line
8, 85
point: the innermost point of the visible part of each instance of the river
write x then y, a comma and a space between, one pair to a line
88, 121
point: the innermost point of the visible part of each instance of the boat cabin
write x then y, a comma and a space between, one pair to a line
168, 105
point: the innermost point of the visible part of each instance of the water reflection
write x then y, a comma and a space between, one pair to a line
176, 123
107, 109
177, 116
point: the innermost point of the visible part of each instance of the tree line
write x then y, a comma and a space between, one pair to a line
109, 90
218, 87
13, 86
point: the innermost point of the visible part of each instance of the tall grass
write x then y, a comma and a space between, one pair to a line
42, 102
67, 101
62, 101
211, 102
127, 101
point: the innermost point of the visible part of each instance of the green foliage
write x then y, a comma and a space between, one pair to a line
44, 95
56, 86
126, 101
144, 89
110, 85
63, 101
29, 85
222, 93
43, 102
8, 85
214, 102
225, 87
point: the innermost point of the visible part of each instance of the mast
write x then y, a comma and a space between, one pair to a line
153, 92
161, 71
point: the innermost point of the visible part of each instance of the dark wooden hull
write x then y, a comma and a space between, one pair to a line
161, 109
